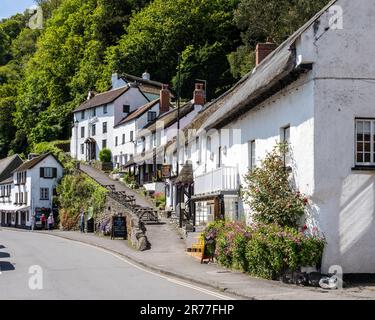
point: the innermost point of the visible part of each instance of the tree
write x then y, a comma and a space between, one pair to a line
201, 30
269, 193
278, 19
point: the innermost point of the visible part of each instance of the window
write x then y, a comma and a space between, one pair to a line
151, 116
123, 138
219, 158
83, 115
104, 127
365, 142
82, 148
131, 136
48, 173
105, 109
44, 194
286, 139
116, 141
252, 159
199, 149
126, 108
104, 144
93, 130
93, 112
126, 158
16, 198
21, 177
82, 132
154, 139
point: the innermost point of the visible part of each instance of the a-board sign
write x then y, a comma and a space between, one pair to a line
119, 228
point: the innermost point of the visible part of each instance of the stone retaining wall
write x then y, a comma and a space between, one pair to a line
135, 227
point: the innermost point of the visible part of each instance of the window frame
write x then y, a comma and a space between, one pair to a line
82, 132
151, 116
372, 143
252, 154
44, 193
105, 127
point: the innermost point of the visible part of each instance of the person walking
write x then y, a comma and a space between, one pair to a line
43, 219
50, 222
82, 221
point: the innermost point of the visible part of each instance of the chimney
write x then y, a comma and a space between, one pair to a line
146, 76
199, 94
264, 49
31, 156
165, 97
90, 95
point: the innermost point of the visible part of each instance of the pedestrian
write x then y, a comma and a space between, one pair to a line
43, 219
32, 222
50, 222
82, 222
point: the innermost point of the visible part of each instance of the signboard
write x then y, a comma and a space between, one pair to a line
166, 171
90, 213
119, 228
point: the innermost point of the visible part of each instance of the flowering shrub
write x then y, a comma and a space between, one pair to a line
269, 193
264, 250
160, 200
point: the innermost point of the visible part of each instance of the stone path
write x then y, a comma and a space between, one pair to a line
104, 180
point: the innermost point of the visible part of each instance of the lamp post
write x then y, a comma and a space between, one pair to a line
178, 191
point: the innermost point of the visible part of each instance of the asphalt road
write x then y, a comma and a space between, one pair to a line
71, 270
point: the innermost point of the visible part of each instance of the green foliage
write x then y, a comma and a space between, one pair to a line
129, 180
269, 193
57, 149
202, 30
160, 200
45, 74
105, 155
272, 250
259, 20
264, 250
76, 192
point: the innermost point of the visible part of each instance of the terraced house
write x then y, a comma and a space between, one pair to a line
315, 92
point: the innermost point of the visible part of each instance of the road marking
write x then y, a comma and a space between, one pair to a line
170, 279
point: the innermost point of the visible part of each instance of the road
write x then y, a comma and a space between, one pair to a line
72, 270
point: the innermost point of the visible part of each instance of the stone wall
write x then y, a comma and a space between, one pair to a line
135, 227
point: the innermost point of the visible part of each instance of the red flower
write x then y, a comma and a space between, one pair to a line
305, 227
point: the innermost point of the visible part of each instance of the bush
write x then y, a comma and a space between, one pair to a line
160, 200
269, 193
105, 155
76, 192
263, 250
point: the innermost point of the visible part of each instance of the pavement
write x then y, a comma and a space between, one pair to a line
36, 266
167, 257
103, 179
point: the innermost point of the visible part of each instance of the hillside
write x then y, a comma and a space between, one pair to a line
46, 73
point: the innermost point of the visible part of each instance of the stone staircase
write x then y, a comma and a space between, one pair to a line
123, 195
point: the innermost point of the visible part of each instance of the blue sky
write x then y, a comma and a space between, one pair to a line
11, 7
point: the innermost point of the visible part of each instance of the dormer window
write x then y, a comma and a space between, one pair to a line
126, 108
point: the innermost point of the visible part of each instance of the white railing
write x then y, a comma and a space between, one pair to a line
221, 179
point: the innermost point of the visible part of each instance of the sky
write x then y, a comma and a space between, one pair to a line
11, 7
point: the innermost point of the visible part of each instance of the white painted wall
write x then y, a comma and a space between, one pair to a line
115, 114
